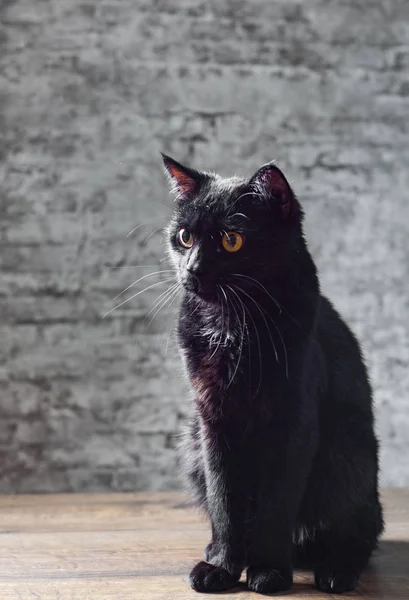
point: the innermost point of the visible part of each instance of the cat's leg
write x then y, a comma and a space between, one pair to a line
344, 560
306, 551
337, 561
194, 472
227, 501
282, 478
192, 463
345, 553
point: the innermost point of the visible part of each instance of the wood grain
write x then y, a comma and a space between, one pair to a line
141, 547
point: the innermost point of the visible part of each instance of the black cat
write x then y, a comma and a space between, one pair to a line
282, 453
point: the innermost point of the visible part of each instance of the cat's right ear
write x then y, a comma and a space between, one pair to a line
269, 183
184, 182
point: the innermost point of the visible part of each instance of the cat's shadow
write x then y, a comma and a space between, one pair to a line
386, 577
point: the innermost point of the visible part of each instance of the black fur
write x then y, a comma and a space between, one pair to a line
281, 450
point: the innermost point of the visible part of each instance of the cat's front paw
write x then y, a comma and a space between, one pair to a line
268, 581
208, 578
335, 581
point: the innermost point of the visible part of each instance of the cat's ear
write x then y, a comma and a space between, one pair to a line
184, 181
270, 184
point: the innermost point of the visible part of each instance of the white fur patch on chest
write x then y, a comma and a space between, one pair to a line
215, 333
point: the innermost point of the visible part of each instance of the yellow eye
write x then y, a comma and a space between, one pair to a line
232, 241
185, 238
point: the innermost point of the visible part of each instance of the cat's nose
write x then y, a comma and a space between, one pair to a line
195, 264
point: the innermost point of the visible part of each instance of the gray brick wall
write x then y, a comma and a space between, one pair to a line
90, 92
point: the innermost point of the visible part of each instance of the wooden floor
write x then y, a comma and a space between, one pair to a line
141, 547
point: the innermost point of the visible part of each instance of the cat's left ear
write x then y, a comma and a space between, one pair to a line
270, 184
184, 181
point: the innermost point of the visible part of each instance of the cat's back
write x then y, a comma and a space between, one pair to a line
346, 374
347, 449
333, 331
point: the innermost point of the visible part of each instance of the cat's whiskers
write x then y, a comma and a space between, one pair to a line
252, 193
137, 294
257, 337
141, 278
152, 233
196, 309
245, 327
228, 315
242, 336
131, 266
228, 321
222, 325
278, 304
263, 310
240, 215
270, 317
147, 224
161, 301
260, 309
162, 297
282, 341
172, 298
136, 228
256, 281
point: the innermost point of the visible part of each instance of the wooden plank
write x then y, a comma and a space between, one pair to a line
142, 546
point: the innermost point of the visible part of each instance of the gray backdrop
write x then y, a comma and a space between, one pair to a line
90, 92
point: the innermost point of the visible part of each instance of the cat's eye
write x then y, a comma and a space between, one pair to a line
185, 238
232, 241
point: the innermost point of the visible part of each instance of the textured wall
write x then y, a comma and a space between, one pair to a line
90, 92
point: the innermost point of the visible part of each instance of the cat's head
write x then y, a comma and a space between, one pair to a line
226, 229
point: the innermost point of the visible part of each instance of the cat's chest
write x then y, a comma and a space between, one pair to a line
210, 357
215, 337
213, 360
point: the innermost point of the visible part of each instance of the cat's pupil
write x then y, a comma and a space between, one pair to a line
185, 235
231, 239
